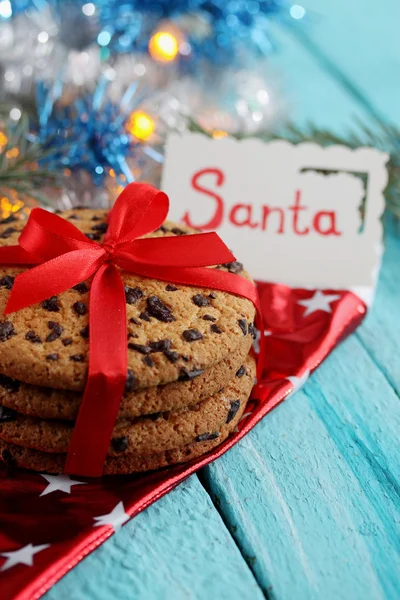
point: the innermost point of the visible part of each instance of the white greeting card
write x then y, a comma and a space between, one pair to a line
296, 214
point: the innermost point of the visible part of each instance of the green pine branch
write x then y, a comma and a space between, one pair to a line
20, 172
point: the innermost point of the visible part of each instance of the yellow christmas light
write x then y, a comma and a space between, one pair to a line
3, 140
7, 207
219, 133
141, 125
163, 46
12, 153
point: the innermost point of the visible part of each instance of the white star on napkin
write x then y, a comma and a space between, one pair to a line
298, 382
116, 518
23, 556
63, 483
319, 301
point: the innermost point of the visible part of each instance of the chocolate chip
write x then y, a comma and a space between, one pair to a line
7, 282
171, 288
80, 308
171, 355
8, 458
243, 325
209, 318
213, 295
82, 288
163, 229
53, 356
185, 358
7, 232
10, 219
32, 337
160, 346
139, 348
74, 217
200, 300
132, 335
215, 329
154, 416
51, 304
144, 316
7, 414
101, 227
84, 332
241, 371
9, 384
6, 331
132, 295
252, 330
93, 236
52, 336
191, 335
233, 267
120, 444
134, 321
159, 310
57, 330
235, 405
67, 341
207, 437
178, 231
96, 218
54, 326
77, 357
186, 375
148, 361
130, 384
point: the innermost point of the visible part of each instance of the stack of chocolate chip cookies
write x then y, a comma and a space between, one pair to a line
190, 370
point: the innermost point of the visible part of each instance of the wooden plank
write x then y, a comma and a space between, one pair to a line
178, 548
380, 334
311, 495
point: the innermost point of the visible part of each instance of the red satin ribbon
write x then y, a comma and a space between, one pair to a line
65, 256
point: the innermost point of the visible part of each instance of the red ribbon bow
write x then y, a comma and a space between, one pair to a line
65, 257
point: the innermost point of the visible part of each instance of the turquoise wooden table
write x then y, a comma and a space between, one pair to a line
307, 505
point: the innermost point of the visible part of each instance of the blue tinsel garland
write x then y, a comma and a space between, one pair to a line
219, 30
89, 135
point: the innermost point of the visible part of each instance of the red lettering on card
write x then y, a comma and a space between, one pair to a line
240, 215
330, 218
218, 215
296, 208
265, 214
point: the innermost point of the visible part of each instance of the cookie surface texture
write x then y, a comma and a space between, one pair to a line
174, 332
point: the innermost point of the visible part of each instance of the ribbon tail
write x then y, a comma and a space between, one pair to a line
53, 277
15, 255
106, 378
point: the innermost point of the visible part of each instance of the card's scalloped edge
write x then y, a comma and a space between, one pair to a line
376, 159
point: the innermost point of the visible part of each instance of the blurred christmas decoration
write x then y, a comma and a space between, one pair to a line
217, 31
104, 82
23, 182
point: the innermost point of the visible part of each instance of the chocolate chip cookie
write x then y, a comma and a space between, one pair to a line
36, 460
47, 403
152, 434
174, 332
